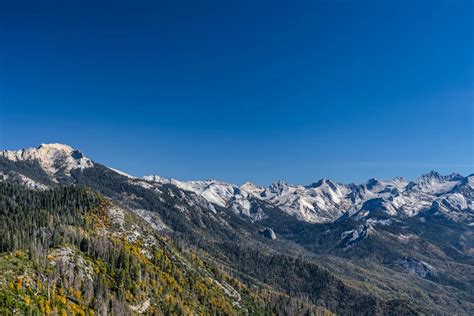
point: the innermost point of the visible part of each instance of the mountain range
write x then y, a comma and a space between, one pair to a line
379, 247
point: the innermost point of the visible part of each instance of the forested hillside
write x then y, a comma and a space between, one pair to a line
70, 251
78, 236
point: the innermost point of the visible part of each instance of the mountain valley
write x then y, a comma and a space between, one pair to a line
386, 247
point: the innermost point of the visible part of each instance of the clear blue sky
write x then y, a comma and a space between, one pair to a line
244, 90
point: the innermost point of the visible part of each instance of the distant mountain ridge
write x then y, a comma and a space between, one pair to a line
320, 202
325, 200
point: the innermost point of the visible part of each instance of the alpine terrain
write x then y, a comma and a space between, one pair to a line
80, 238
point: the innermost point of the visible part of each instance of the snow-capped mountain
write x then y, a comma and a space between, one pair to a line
321, 202
242, 200
326, 200
53, 158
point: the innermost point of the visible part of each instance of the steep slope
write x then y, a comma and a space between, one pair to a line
54, 159
240, 200
69, 250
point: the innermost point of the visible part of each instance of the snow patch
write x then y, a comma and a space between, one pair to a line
122, 173
151, 218
23, 180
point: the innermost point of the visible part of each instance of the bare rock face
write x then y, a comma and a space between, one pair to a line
416, 267
268, 233
53, 158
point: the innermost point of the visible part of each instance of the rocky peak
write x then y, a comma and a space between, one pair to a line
53, 158
251, 188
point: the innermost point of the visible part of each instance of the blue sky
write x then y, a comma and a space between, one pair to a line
244, 90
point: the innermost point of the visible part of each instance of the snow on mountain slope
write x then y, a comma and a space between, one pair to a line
252, 188
420, 194
320, 202
213, 191
435, 183
16, 177
122, 173
219, 193
326, 200
53, 158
